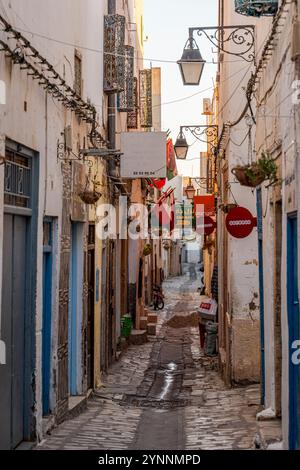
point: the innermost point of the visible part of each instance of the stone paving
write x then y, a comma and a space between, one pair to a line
212, 417
227, 418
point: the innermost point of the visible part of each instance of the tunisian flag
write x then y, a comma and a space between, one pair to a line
158, 183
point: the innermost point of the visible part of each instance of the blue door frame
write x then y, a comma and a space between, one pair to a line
47, 313
75, 308
22, 187
261, 291
294, 330
73, 315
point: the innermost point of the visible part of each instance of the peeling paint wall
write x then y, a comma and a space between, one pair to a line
277, 131
37, 121
240, 271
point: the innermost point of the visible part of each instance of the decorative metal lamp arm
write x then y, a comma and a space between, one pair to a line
241, 36
206, 134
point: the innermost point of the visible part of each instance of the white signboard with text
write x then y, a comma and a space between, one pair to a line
144, 155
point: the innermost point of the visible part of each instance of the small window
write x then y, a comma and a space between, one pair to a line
17, 180
78, 74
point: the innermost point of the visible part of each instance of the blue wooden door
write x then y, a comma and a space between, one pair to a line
294, 331
47, 314
13, 331
18, 295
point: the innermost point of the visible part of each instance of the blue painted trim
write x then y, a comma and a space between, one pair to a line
294, 329
30, 286
47, 322
73, 314
261, 292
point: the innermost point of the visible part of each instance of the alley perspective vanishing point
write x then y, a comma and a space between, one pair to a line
149, 229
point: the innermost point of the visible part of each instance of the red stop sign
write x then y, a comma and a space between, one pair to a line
206, 225
240, 222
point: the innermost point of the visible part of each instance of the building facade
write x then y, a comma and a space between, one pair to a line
260, 284
73, 79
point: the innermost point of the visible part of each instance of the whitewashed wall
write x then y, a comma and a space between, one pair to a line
74, 24
280, 123
242, 273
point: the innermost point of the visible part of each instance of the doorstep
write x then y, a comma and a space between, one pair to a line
268, 433
78, 404
25, 445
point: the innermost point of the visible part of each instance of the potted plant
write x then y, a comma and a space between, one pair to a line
254, 174
90, 195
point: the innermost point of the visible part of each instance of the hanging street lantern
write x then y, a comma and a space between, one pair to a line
236, 40
190, 192
256, 8
191, 64
181, 147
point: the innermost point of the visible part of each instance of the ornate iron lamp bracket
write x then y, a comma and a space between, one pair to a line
68, 156
85, 155
240, 37
206, 134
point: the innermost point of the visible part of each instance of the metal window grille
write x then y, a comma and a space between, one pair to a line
114, 56
17, 180
256, 7
146, 98
126, 97
132, 116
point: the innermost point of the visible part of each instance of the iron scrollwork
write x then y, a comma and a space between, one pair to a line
132, 116
67, 156
126, 97
146, 98
237, 40
205, 134
114, 56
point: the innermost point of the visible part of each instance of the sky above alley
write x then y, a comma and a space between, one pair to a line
166, 25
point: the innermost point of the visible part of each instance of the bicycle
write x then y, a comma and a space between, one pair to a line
158, 298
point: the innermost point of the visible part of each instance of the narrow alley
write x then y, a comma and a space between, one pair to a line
164, 394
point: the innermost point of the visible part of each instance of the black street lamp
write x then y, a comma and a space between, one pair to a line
240, 37
190, 192
191, 64
206, 134
181, 146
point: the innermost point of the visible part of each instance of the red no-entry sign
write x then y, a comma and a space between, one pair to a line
240, 222
206, 225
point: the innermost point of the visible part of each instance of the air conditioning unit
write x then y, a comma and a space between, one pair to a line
296, 40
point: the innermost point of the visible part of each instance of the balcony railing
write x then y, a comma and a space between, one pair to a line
256, 8
114, 53
126, 98
146, 98
132, 116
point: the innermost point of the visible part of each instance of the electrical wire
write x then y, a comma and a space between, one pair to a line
100, 51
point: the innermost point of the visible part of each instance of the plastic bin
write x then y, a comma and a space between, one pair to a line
210, 346
126, 326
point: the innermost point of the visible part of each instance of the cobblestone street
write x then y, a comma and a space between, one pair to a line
164, 394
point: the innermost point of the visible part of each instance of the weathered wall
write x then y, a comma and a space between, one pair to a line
40, 126
241, 271
278, 129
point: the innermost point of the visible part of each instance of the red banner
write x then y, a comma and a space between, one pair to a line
208, 202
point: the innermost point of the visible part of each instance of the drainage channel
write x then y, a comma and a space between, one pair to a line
162, 386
